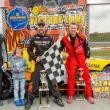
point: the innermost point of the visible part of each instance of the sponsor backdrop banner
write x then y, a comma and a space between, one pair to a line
101, 84
57, 14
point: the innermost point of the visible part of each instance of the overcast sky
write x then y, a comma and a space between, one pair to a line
99, 19
98, 1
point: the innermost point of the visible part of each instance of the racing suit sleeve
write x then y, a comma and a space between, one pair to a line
87, 48
30, 50
51, 40
62, 45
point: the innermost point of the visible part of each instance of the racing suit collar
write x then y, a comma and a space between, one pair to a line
41, 35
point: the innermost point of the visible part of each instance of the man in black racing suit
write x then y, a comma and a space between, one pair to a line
41, 42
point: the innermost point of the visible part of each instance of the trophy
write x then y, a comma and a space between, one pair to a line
43, 90
80, 86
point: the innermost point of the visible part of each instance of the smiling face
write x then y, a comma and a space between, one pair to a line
41, 30
73, 29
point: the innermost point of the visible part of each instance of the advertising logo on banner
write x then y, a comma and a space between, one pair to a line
58, 15
101, 84
17, 19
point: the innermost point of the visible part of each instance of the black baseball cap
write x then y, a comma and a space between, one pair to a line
41, 23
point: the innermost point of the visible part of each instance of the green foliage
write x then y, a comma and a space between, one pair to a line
100, 37
100, 53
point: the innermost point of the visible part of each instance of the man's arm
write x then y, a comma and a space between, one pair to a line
87, 49
51, 40
62, 44
30, 50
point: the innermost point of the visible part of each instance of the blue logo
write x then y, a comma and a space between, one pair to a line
17, 19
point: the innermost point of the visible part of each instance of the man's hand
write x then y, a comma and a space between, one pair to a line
87, 61
4, 66
64, 56
38, 59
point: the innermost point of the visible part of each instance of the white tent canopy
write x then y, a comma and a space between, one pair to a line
97, 1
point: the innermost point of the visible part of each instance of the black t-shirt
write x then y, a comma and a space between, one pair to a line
72, 39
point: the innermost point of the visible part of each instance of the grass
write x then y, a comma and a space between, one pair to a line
100, 38
100, 53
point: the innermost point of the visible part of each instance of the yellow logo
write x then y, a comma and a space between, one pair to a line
39, 10
35, 10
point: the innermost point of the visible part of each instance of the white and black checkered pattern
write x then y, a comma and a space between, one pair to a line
3, 22
53, 63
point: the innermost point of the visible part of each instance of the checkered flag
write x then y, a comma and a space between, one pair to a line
53, 64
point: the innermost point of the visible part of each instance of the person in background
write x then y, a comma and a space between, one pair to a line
3, 62
79, 53
18, 67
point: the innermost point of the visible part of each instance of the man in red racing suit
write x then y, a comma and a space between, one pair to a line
79, 52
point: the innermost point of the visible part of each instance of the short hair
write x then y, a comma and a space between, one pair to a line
41, 23
18, 48
74, 24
